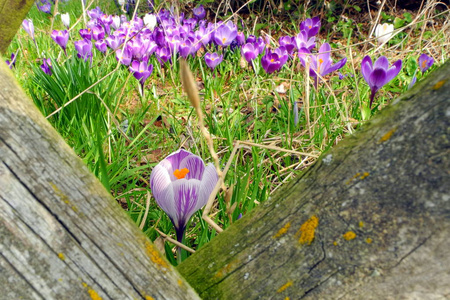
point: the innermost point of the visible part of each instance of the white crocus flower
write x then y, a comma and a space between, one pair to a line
116, 22
383, 32
121, 2
150, 21
65, 18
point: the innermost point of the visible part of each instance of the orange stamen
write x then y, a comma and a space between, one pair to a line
424, 63
224, 40
180, 174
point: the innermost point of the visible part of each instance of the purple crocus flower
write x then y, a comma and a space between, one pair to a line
28, 26
240, 38
225, 34
114, 41
425, 62
163, 55
95, 13
199, 12
141, 71
321, 63
301, 40
84, 49
181, 185
61, 37
379, 73
86, 33
44, 6
311, 27
288, 42
98, 33
212, 60
273, 61
185, 48
124, 56
249, 52
101, 46
11, 63
47, 66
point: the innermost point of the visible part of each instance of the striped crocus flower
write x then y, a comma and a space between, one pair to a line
181, 184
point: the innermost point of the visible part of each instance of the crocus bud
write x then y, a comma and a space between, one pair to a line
65, 19
150, 21
383, 32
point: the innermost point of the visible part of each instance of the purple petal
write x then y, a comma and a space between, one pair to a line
394, 70
366, 67
377, 79
381, 63
161, 185
338, 65
175, 158
207, 184
186, 196
195, 165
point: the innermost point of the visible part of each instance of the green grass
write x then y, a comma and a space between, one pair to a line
239, 103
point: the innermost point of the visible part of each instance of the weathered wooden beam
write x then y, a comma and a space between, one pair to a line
370, 220
12, 13
62, 235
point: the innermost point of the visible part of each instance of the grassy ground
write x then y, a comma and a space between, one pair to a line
121, 136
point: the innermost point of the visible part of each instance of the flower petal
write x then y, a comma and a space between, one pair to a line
394, 70
176, 157
381, 63
207, 184
195, 165
186, 196
366, 68
377, 79
337, 65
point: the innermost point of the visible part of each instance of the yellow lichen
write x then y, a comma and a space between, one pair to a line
155, 257
335, 243
180, 282
287, 298
364, 175
61, 256
369, 241
361, 224
350, 235
354, 177
285, 286
225, 270
439, 84
283, 230
307, 230
149, 298
63, 197
387, 135
93, 294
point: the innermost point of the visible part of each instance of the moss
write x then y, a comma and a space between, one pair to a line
307, 230
283, 230
349, 235
285, 286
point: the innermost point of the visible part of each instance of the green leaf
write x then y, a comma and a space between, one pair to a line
408, 17
398, 23
357, 8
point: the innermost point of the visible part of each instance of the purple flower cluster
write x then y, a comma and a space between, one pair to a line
44, 6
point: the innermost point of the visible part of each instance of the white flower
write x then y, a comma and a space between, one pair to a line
65, 18
121, 2
116, 22
383, 32
150, 21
